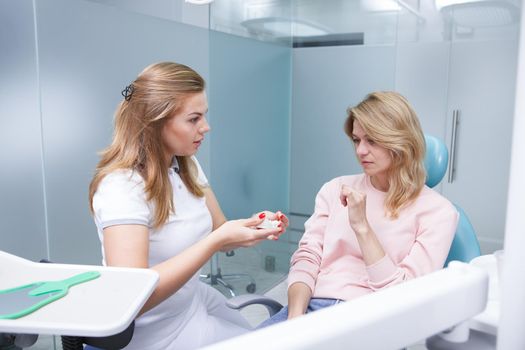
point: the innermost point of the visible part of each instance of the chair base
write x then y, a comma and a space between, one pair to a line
7, 342
218, 278
477, 341
17, 341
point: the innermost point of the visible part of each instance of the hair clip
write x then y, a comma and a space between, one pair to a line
128, 92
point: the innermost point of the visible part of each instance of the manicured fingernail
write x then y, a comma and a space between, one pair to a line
262, 215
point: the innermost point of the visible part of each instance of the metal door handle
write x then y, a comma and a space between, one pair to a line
452, 158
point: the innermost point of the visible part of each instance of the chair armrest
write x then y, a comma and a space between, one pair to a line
241, 301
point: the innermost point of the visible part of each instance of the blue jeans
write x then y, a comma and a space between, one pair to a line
314, 305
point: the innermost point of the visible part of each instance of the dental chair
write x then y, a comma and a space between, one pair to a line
465, 246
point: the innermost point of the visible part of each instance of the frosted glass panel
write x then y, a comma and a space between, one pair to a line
469, 70
422, 77
482, 89
21, 186
86, 59
326, 81
249, 116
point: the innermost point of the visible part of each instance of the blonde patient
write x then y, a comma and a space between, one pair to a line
375, 229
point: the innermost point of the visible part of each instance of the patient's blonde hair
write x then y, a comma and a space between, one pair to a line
388, 119
156, 95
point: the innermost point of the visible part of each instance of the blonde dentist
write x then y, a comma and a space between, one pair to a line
154, 208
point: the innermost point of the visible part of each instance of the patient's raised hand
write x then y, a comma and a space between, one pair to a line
355, 201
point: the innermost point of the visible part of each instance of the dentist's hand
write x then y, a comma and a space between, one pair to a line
242, 233
356, 203
281, 218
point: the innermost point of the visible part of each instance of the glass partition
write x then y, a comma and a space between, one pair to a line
82, 72
250, 94
480, 108
327, 79
22, 206
457, 65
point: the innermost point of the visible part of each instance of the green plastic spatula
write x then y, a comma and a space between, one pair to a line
20, 301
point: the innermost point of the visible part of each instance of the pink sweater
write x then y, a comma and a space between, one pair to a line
329, 259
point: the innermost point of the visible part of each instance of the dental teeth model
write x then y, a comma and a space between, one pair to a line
268, 224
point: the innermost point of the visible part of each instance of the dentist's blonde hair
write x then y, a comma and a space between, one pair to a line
388, 119
155, 96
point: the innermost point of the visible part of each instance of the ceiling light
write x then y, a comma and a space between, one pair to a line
479, 13
199, 2
380, 5
280, 27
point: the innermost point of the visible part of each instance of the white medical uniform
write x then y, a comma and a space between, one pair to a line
196, 314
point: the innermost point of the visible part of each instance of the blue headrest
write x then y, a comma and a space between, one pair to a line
436, 160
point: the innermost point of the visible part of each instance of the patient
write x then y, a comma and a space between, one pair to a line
376, 229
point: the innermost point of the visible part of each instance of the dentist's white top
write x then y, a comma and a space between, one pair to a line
196, 314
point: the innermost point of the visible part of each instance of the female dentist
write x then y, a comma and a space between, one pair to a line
154, 208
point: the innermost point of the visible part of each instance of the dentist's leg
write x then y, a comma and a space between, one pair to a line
222, 322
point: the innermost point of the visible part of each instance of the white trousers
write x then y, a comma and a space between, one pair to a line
209, 321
